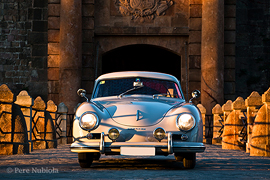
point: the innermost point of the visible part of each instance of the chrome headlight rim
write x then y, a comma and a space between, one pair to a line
154, 133
97, 120
177, 122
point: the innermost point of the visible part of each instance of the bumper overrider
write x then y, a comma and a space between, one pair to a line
137, 148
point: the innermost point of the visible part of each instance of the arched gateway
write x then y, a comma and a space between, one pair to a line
179, 37
141, 57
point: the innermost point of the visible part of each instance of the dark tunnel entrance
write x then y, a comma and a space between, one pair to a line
142, 58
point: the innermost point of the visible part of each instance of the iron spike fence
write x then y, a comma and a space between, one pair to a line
221, 121
38, 126
70, 118
243, 132
208, 126
3, 132
29, 123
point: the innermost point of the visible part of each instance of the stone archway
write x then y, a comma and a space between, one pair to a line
141, 57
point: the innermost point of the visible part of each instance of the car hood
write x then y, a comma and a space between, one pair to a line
138, 111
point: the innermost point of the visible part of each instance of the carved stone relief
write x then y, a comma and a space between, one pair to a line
143, 9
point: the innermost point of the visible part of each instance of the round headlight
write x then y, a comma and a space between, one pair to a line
89, 121
159, 133
113, 134
185, 122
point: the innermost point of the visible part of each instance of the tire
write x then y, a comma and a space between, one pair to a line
189, 160
96, 156
178, 157
85, 159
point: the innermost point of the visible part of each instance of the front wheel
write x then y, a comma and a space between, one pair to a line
189, 160
85, 159
178, 157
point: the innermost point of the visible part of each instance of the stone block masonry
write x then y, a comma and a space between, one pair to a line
59, 17
53, 49
252, 46
23, 49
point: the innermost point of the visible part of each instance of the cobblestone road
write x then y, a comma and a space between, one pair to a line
60, 163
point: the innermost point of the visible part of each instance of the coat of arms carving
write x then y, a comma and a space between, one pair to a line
141, 9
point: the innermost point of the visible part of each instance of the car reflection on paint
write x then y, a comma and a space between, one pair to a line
137, 114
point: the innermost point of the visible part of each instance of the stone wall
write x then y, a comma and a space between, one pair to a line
229, 48
195, 37
88, 45
53, 48
23, 45
252, 46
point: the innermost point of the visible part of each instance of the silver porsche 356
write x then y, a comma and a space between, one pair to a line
137, 114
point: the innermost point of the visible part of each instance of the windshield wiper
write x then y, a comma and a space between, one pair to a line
132, 89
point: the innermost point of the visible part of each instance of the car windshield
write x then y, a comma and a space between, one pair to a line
127, 86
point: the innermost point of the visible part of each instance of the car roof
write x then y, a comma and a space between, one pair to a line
146, 74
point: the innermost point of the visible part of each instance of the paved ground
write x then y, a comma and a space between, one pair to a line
60, 164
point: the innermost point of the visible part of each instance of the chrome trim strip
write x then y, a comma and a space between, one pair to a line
170, 145
101, 145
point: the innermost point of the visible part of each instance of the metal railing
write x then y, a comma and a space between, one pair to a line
208, 126
243, 132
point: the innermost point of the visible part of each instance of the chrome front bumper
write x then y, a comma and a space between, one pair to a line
168, 147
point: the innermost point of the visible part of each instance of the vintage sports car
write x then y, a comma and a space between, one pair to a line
137, 114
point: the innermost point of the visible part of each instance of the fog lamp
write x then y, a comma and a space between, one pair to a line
159, 133
113, 134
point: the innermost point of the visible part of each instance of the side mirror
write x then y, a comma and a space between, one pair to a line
82, 93
195, 94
